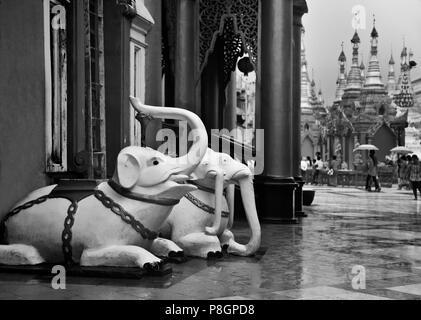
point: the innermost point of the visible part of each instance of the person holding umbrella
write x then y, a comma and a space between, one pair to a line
372, 173
403, 163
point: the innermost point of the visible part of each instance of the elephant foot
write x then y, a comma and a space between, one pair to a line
20, 255
120, 256
225, 238
166, 249
215, 255
153, 266
177, 257
200, 245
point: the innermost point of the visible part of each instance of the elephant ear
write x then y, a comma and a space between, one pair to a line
128, 169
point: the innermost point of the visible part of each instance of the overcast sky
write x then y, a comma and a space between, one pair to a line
329, 22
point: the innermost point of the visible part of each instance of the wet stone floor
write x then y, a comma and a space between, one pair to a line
345, 227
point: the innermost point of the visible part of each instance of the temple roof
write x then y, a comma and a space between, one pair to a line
374, 33
342, 57
391, 61
404, 52
341, 81
355, 38
373, 77
353, 85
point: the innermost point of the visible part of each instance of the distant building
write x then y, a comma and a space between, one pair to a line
365, 109
413, 132
312, 111
246, 107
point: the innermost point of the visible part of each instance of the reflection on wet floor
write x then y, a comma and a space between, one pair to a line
312, 260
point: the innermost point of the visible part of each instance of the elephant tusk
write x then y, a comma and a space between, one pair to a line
216, 228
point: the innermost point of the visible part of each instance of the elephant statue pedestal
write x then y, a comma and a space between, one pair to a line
89, 272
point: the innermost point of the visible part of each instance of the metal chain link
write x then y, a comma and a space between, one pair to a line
16, 210
25, 206
68, 224
70, 220
125, 216
67, 234
203, 206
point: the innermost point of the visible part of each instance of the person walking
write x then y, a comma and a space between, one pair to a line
414, 175
310, 163
402, 172
409, 161
372, 174
334, 167
304, 167
317, 166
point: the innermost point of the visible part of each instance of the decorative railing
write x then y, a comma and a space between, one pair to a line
353, 178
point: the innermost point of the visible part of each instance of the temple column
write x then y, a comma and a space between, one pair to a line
210, 94
185, 86
230, 116
299, 8
153, 65
275, 188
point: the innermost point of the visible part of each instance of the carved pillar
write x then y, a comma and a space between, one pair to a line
185, 86
275, 189
300, 7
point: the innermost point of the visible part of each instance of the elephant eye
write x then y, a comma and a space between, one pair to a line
154, 162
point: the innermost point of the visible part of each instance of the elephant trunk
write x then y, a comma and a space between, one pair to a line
187, 163
247, 194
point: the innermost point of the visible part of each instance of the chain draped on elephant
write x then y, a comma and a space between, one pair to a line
140, 196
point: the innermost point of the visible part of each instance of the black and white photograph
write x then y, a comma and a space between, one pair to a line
228, 151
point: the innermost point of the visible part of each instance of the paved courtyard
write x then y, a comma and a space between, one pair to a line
345, 227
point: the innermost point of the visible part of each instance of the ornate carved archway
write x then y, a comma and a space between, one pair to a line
237, 22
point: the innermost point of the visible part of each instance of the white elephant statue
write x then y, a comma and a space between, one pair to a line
200, 224
112, 223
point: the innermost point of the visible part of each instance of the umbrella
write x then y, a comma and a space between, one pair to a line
403, 150
366, 147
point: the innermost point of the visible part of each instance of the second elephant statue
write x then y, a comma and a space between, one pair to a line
200, 224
